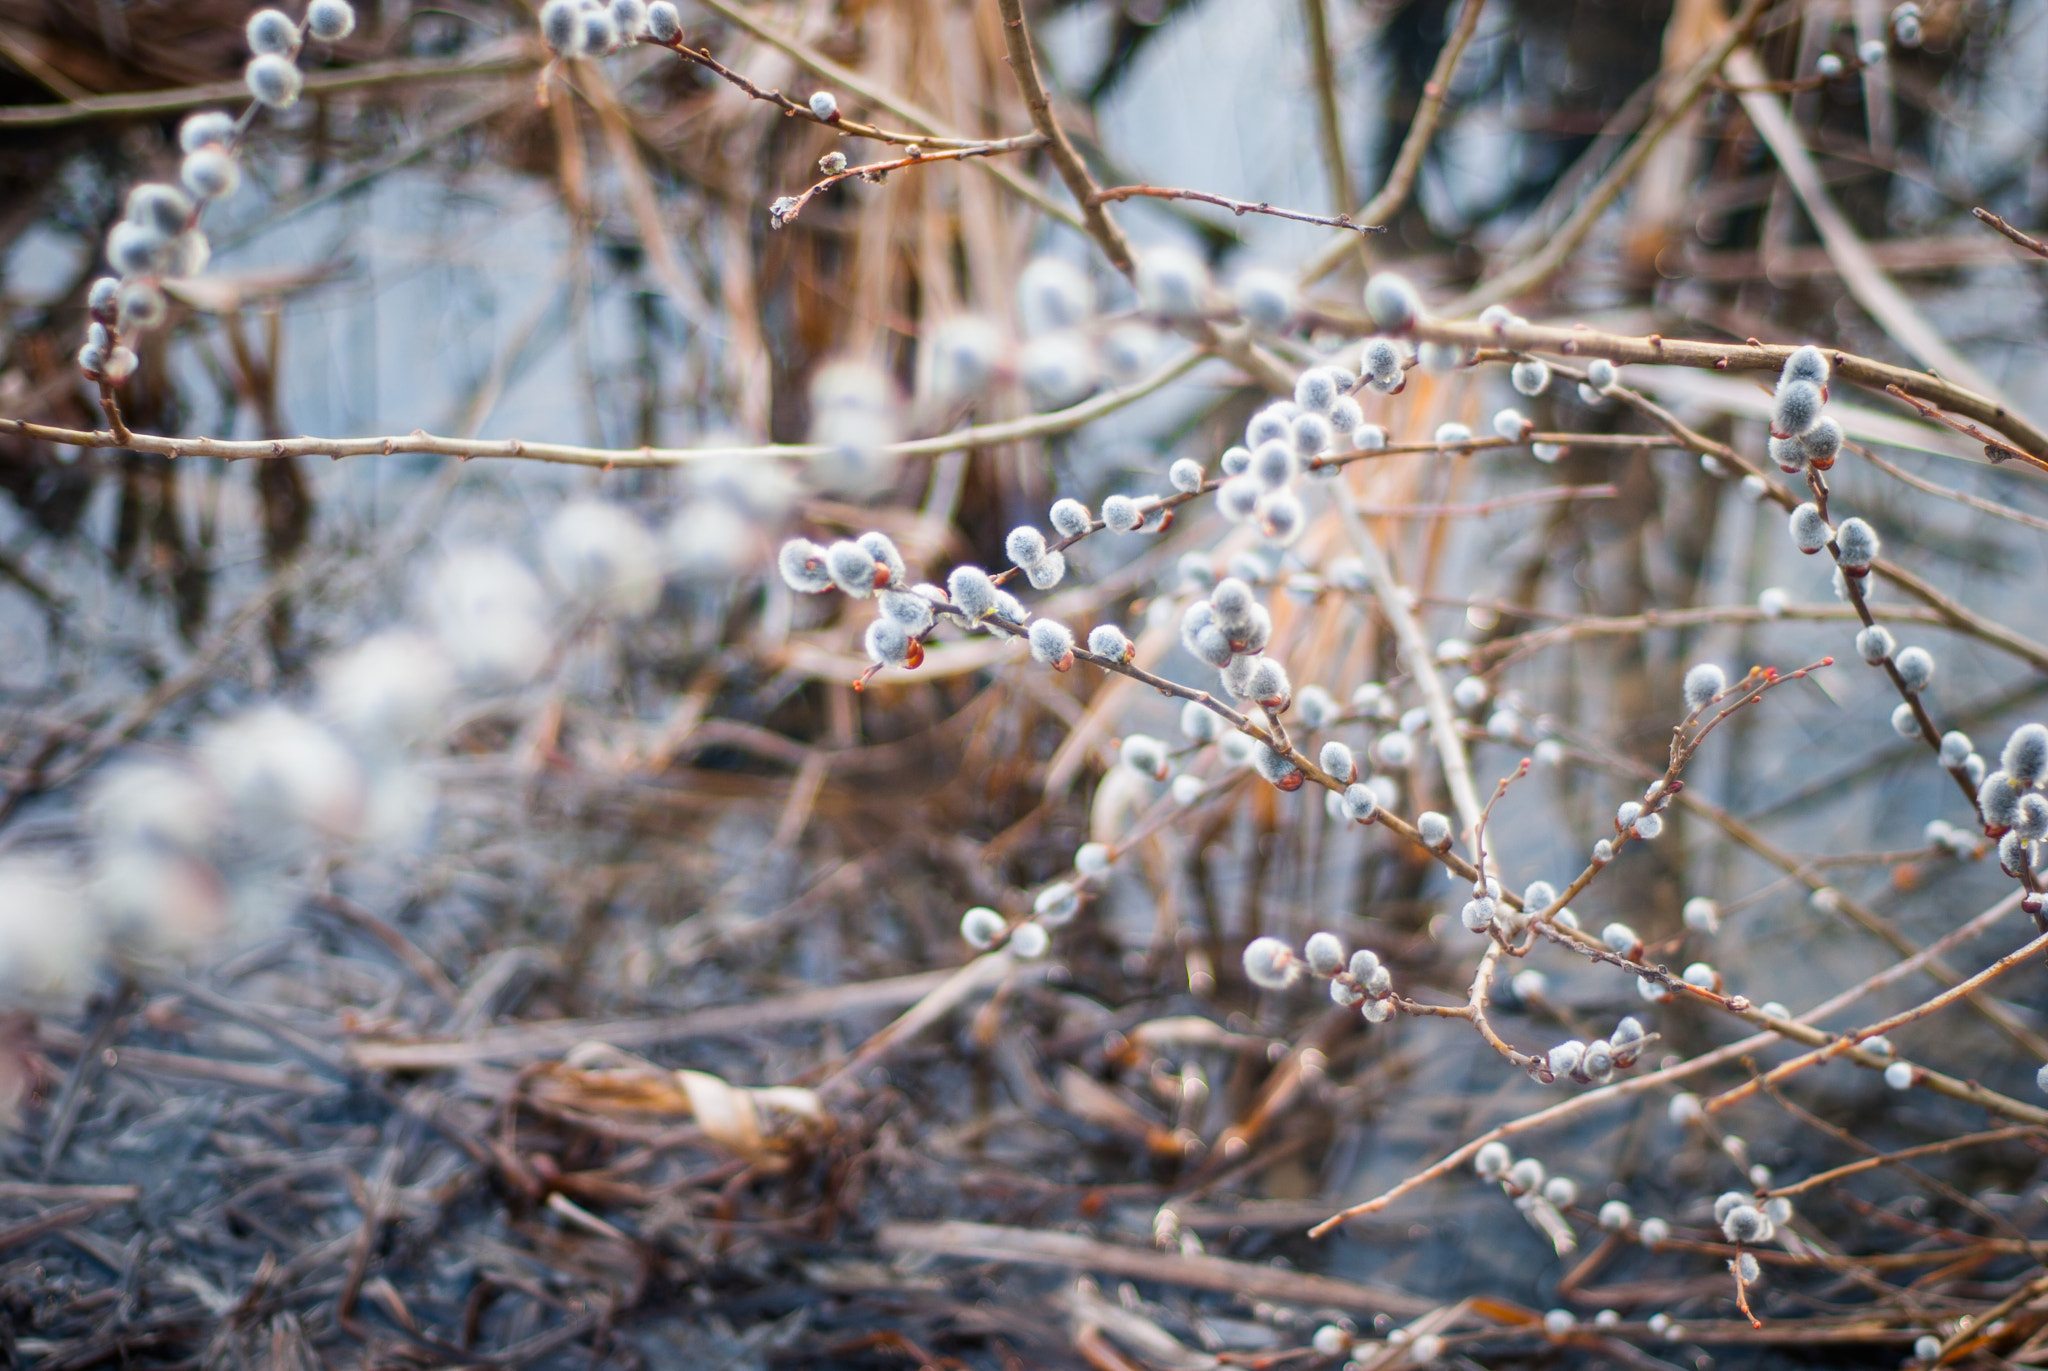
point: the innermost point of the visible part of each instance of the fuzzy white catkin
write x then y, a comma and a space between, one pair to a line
274, 763
1795, 409
1053, 294
1530, 376
887, 642
1359, 803
271, 31
1702, 683
1199, 722
1511, 424
1317, 707
1120, 514
1433, 827
163, 208
1392, 301
1324, 953
1810, 532
1269, 963
330, 20
1145, 755
1858, 543
1107, 640
1916, 668
561, 27
630, 18
1492, 1160
207, 128
489, 614
1452, 434
1048, 571
1564, 1059
1807, 363
1316, 390
136, 249
1381, 360
972, 591
1264, 298
1600, 373
1025, 546
1057, 904
1070, 518
1172, 282
664, 22
273, 80
1347, 416
1311, 434
1030, 941
1052, 643
390, 690
599, 556
1470, 692
210, 174
803, 567
1282, 517
2030, 819
853, 568
982, 927
1274, 464
1185, 475
1874, 644
2025, 756
1820, 444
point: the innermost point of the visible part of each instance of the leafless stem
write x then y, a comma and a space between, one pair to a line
1238, 207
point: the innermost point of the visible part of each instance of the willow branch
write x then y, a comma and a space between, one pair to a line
1237, 207
418, 441
1023, 60
1656, 350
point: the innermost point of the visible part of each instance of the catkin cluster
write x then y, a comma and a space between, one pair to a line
159, 238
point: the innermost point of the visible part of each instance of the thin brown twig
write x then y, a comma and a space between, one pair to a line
784, 211
2025, 240
1995, 450
1023, 60
1414, 144
1848, 1042
1329, 117
838, 123
1237, 207
1905, 1154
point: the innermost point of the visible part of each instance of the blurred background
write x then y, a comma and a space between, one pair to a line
341, 800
